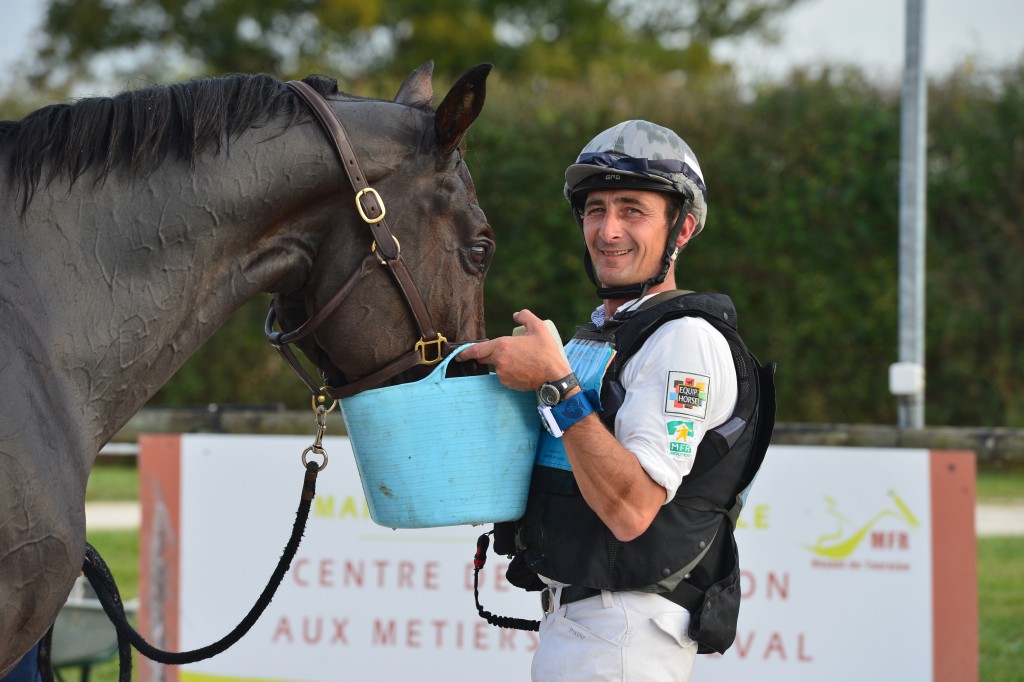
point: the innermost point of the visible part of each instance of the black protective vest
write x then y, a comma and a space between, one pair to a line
688, 553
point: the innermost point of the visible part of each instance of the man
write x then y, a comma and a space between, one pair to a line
27, 669
622, 548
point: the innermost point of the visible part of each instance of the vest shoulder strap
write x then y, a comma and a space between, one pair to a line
628, 333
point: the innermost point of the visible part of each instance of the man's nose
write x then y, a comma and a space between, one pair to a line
611, 227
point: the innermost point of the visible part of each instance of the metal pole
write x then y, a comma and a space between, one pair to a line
909, 371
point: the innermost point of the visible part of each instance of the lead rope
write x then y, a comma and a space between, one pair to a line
102, 581
499, 621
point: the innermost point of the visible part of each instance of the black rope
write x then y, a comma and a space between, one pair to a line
43, 656
102, 581
482, 543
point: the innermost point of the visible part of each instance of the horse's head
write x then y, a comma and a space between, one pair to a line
410, 157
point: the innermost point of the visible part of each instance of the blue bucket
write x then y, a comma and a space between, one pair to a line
444, 451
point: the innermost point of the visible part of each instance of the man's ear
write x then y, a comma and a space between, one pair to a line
686, 232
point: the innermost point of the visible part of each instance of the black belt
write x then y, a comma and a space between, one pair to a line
571, 593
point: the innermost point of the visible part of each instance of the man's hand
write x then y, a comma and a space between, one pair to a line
522, 362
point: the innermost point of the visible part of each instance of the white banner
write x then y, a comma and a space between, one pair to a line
836, 546
360, 602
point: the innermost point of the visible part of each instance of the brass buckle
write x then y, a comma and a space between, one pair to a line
359, 206
421, 346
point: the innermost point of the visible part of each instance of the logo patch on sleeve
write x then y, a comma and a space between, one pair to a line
679, 435
687, 394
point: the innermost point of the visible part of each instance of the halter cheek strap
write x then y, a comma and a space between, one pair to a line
386, 250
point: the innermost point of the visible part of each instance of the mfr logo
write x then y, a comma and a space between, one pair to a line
679, 433
850, 535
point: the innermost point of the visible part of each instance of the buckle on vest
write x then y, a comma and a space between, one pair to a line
547, 600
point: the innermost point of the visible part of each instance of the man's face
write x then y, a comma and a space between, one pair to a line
625, 232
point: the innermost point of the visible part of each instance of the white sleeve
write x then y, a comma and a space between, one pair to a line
680, 383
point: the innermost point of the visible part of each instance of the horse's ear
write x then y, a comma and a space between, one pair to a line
417, 90
460, 107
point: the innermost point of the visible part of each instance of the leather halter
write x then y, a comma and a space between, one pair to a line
432, 346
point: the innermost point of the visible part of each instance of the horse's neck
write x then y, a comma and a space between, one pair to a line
127, 280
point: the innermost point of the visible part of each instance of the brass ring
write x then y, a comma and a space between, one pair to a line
318, 401
373, 249
318, 451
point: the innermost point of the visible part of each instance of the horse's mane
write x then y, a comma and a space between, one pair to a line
136, 130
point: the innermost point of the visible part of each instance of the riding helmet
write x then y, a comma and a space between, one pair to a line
642, 155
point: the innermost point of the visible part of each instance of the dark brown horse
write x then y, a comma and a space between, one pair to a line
132, 227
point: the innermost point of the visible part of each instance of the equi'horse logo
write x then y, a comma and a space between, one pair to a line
842, 543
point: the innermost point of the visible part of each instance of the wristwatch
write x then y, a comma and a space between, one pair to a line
551, 393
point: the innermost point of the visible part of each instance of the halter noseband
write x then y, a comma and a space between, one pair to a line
385, 250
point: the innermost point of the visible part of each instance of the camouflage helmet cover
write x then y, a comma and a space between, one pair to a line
640, 151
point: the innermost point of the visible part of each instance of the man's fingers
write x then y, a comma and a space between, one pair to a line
471, 353
477, 351
533, 324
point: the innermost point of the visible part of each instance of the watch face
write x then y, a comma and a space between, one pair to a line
549, 394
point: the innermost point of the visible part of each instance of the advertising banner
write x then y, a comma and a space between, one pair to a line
856, 562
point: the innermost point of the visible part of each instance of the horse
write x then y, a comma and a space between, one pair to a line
133, 226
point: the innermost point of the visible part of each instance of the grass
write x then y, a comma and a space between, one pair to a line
1000, 487
1000, 571
120, 549
118, 483
1001, 608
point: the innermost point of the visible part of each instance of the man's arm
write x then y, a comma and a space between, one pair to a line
610, 478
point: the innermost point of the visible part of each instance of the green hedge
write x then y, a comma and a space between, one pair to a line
802, 232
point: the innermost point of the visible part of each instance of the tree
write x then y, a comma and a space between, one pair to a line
802, 229
164, 39
975, 249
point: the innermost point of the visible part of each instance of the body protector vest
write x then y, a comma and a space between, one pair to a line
688, 553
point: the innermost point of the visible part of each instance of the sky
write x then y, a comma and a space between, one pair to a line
866, 33
870, 34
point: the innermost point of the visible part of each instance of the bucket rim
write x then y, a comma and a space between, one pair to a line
436, 376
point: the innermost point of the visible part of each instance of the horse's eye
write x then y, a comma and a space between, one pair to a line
481, 254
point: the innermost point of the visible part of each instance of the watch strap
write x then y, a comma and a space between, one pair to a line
566, 383
571, 410
553, 392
